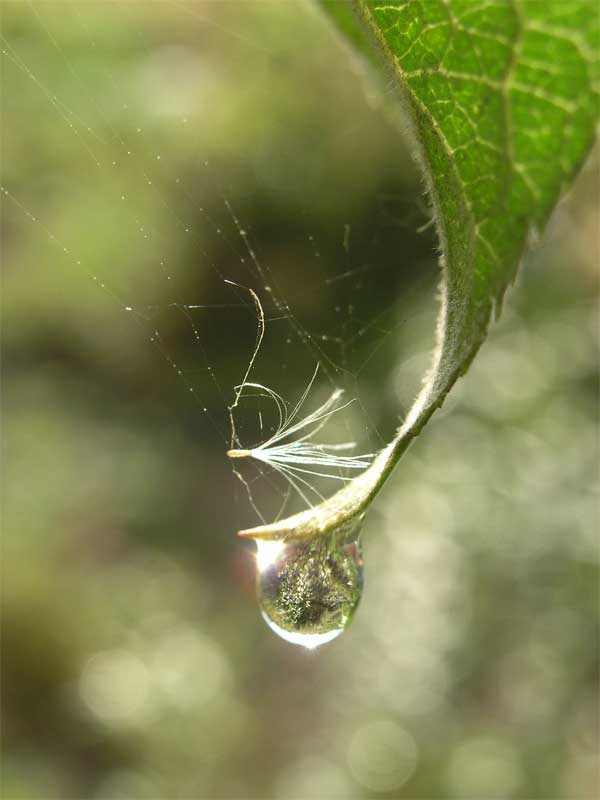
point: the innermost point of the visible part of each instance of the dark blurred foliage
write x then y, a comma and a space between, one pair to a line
135, 662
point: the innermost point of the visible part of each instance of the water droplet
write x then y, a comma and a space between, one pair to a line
308, 591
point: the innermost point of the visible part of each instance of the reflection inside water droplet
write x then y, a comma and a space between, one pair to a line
308, 591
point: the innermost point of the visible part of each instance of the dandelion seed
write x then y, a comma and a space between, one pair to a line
292, 450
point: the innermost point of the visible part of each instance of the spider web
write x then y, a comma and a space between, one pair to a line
137, 124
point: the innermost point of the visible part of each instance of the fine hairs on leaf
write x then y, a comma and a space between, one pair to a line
501, 105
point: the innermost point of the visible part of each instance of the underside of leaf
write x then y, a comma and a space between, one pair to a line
502, 103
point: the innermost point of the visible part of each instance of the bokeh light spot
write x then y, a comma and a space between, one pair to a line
382, 756
114, 685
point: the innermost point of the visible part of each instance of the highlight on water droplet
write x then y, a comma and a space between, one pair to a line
308, 591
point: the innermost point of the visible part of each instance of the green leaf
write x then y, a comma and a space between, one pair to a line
502, 101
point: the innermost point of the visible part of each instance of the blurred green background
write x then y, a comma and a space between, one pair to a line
135, 661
